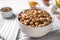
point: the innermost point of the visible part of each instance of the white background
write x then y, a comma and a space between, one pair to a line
17, 5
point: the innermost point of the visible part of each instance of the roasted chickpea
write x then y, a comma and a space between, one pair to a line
27, 20
33, 25
48, 19
36, 23
35, 11
46, 23
20, 20
33, 19
31, 22
39, 15
40, 25
39, 11
27, 12
37, 19
25, 23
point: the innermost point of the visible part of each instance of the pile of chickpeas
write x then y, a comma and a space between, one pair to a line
35, 18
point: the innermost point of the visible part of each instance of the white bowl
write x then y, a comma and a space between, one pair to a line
35, 31
7, 14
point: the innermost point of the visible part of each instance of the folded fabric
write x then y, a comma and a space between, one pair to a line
9, 30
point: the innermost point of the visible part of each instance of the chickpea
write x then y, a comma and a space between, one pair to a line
35, 15
27, 21
39, 15
23, 18
48, 19
46, 15
36, 26
30, 18
41, 18
33, 25
20, 16
36, 23
33, 19
24, 21
40, 22
37, 19
35, 11
27, 12
39, 11
45, 23
20, 20
31, 22
32, 11
43, 12
39, 25
27, 17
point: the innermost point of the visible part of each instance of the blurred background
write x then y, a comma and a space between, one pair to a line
17, 5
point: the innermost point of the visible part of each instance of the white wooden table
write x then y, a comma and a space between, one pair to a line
11, 27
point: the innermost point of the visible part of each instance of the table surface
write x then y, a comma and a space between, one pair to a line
19, 5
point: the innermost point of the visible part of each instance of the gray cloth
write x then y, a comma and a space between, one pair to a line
54, 35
